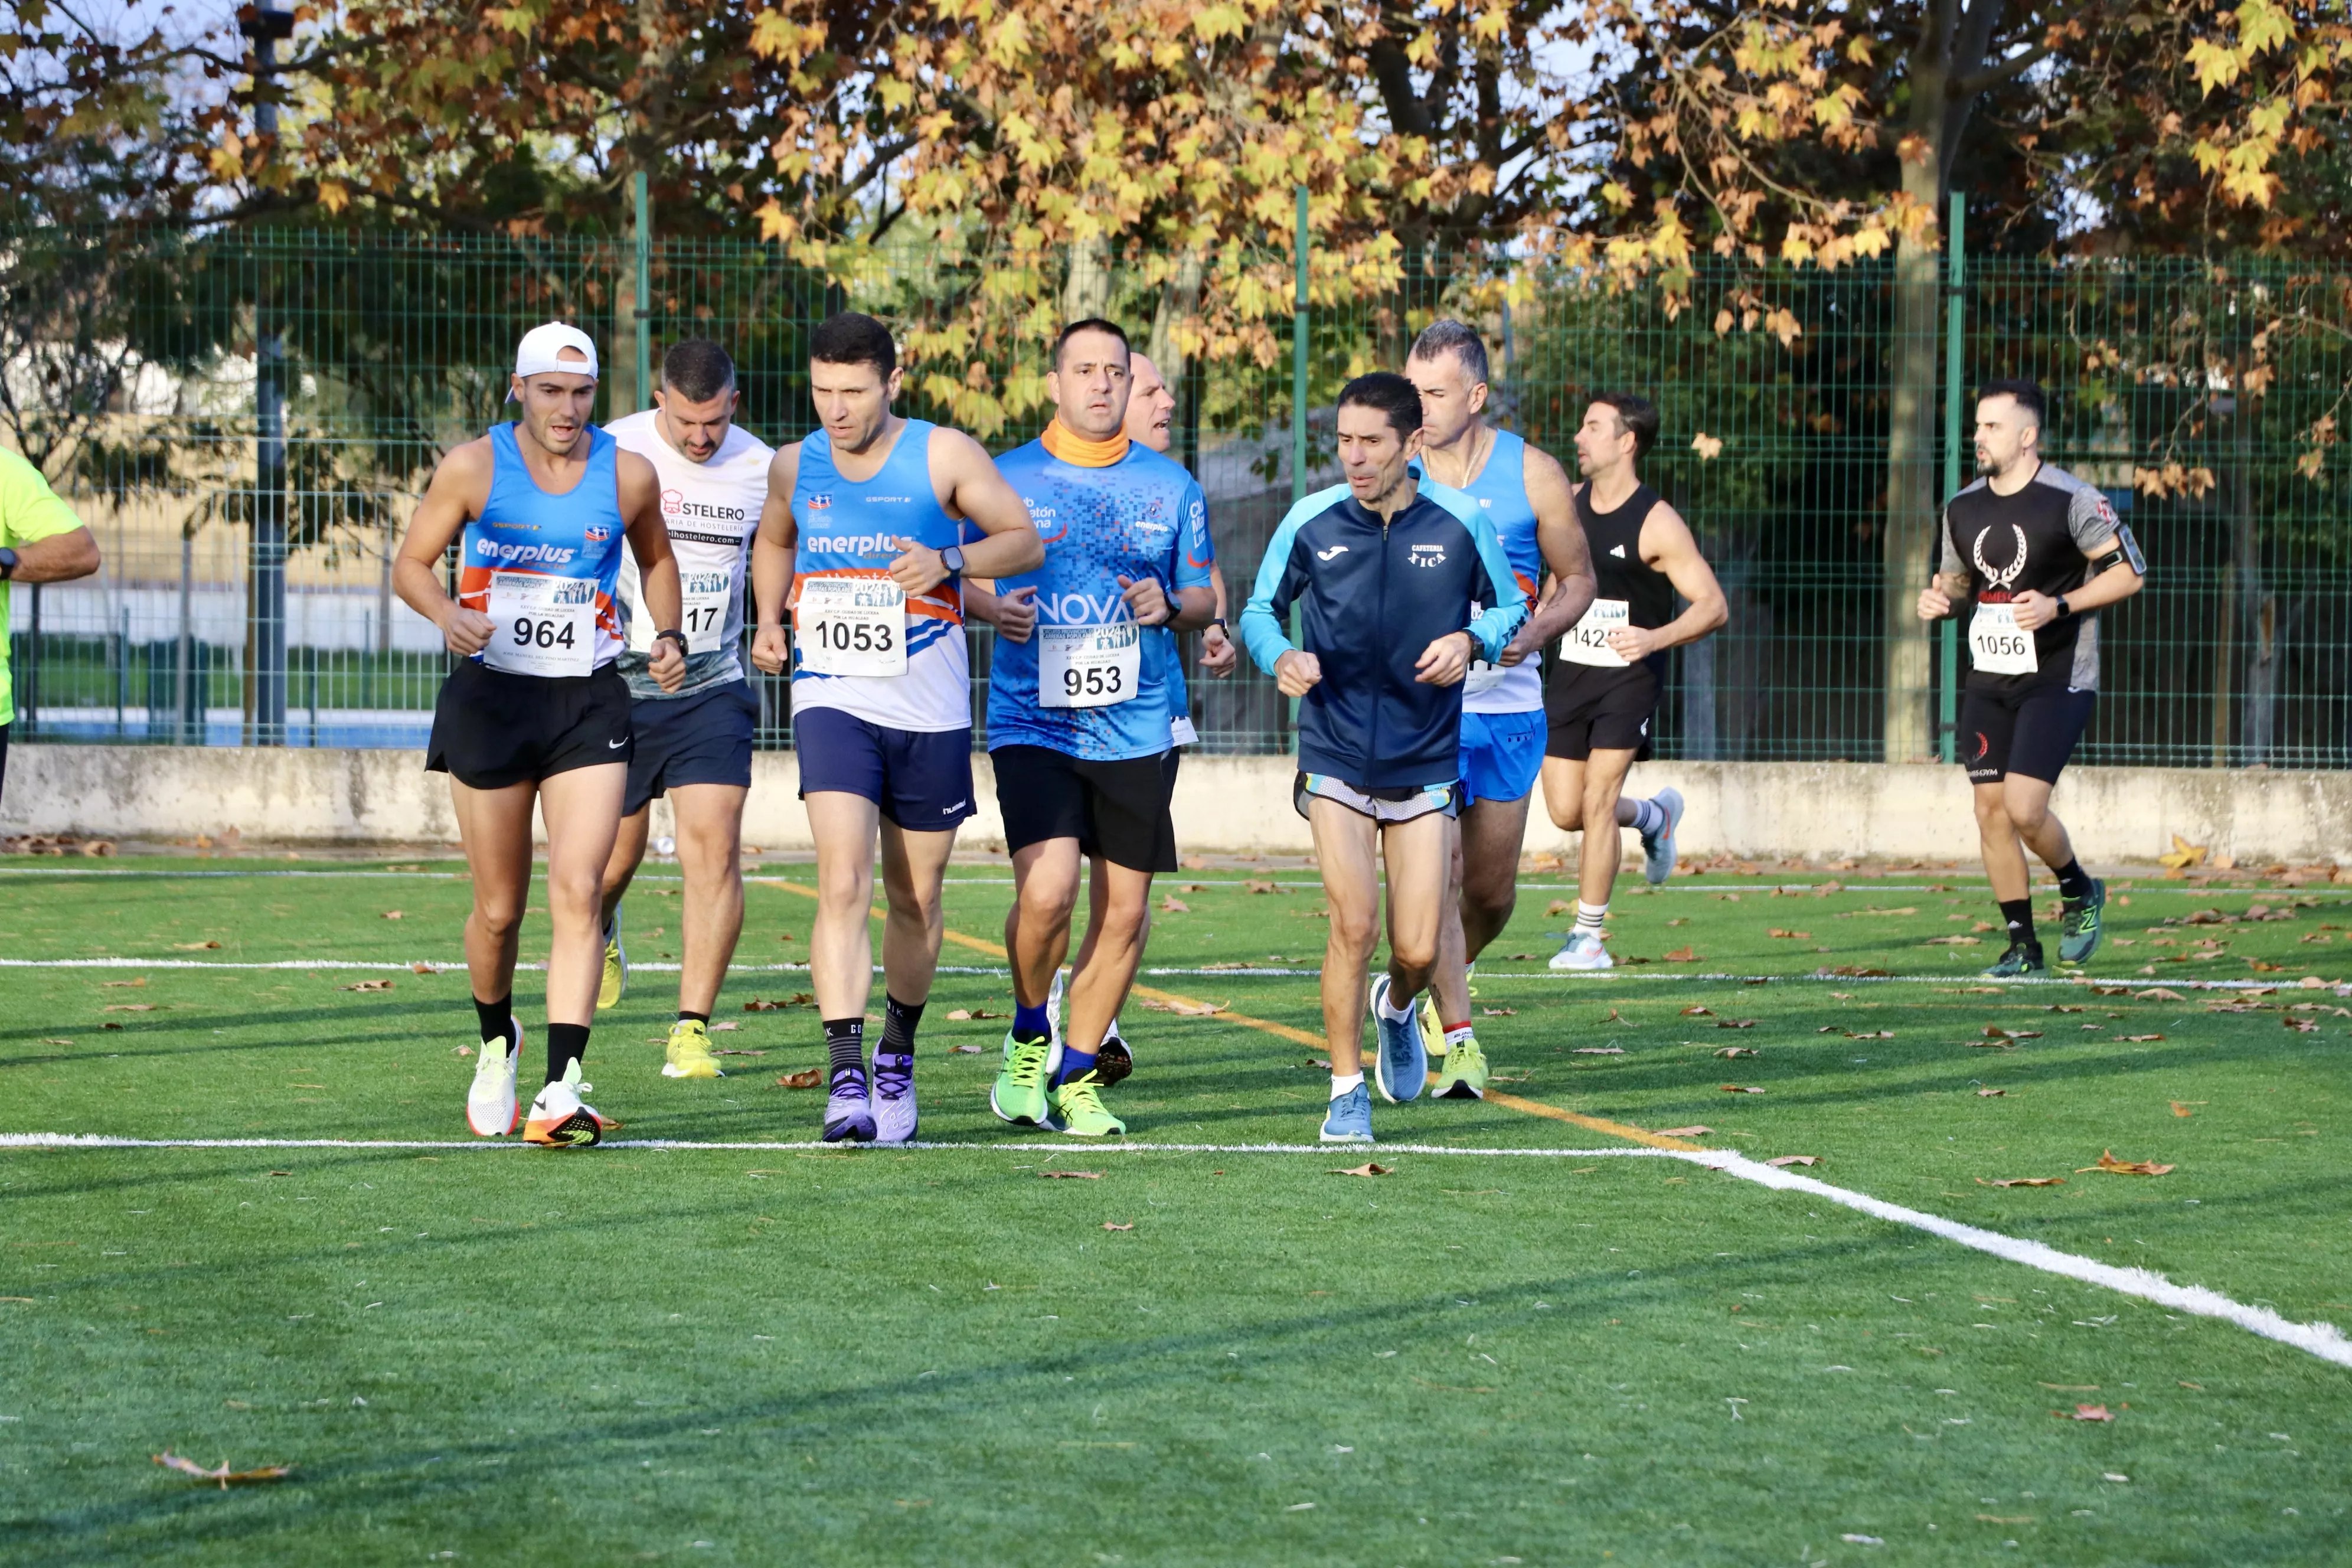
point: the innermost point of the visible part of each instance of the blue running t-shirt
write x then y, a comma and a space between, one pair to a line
1088, 682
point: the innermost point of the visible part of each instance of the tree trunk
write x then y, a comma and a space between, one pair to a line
1086, 290
1909, 538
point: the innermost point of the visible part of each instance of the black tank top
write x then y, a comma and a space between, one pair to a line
1615, 538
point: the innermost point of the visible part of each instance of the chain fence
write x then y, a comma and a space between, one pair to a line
246, 419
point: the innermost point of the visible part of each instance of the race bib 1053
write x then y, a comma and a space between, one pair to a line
853, 625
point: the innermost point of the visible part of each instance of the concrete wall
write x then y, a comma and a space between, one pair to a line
1824, 810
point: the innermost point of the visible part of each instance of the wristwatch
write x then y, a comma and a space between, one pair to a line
675, 635
1219, 621
7, 563
952, 559
2064, 609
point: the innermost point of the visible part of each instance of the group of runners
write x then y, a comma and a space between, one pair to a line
1457, 620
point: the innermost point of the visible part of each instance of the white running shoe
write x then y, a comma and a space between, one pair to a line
560, 1119
490, 1108
1582, 950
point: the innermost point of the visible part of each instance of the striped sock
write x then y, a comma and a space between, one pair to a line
1589, 916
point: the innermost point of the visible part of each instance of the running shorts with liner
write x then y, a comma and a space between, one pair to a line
1501, 755
701, 738
711, 510
492, 729
1385, 803
1118, 809
1590, 709
2031, 732
920, 778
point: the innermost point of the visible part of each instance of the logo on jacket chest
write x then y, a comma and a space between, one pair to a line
1426, 555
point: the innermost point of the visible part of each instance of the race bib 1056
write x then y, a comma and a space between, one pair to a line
1587, 641
853, 625
1997, 645
545, 626
1088, 667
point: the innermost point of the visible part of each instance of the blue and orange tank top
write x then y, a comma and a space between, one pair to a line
574, 538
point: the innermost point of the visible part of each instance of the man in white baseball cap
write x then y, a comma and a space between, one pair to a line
540, 354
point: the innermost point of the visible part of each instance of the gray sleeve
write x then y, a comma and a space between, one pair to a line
2090, 517
1952, 561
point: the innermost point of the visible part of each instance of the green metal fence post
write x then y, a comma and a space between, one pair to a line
643, 197
1948, 635
1298, 359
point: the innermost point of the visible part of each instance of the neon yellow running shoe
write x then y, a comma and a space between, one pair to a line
1465, 1075
615, 984
690, 1051
1079, 1110
1019, 1094
1432, 1030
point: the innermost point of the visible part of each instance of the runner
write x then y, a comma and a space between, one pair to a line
860, 538
1379, 567
1151, 413
1524, 494
695, 746
536, 714
1605, 691
1080, 722
2038, 550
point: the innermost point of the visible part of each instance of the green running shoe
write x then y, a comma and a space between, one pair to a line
614, 983
1464, 1074
2078, 924
2022, 961
1433, 1033
1019, 1094
1079, 1110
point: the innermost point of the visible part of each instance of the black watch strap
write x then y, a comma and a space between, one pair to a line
7, 563
675, 635
952, 559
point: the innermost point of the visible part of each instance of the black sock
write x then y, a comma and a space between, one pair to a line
845, 1043
684, 1017
898, 1022
498, 1019
566, 1044
2019, 915
2073, 882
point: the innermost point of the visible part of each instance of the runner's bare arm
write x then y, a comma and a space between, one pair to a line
1667, 545
969, 487
772, 556
1014, 614
1220, 654
665, 597
1565, 550
2112, 586
460, 490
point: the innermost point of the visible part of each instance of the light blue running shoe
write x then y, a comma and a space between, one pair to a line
848, 1110
1402, 1064
893, 1100
1349, 1119
1658, 849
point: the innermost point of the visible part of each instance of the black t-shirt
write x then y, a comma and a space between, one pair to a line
2033, 540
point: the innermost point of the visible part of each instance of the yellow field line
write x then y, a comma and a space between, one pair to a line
1299, 1036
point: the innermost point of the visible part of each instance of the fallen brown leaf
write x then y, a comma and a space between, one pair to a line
1367, 1169
1990, 1093
56, 1042
723, 1025
1598, 1051
1680, 955
1857, 972
423, 969
138, 985
2183, 854
2153, 994
1734, 1088
1735, 1023
194, 946
384, 985
1558, 907
1170, 904
2139, 1038
150, 1006
225, 1476
1499, 1012
808, 1078
969, 1014
2181, 1107
966, 1051
2084, 1412
1736, 1051
394, 914
2024, 1182
1114, 1224
1070, 1176
2112, 1167
1995, 1032
1954, 942
1255, 886
1797, 935
1685, 1131
1698, 1012
1794, 1160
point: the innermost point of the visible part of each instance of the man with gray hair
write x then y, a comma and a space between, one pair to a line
1524, 494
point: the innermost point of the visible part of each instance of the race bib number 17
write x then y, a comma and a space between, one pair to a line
707, 596
1088, 667
545, 626
853, 625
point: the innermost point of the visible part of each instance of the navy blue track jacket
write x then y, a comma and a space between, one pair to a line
1370, 596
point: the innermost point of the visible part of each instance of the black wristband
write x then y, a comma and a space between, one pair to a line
2066, 610
675, 635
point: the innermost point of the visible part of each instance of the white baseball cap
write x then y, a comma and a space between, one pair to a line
537, 354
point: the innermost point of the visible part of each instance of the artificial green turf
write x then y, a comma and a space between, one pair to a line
796, 1356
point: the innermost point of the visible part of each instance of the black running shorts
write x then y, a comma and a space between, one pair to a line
704, 737
1118, 811
1593, 709
2032, 734
492, 729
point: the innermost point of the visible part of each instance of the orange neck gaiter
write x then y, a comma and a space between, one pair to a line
1072, 448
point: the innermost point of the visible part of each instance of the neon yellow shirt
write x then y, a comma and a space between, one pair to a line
29, 509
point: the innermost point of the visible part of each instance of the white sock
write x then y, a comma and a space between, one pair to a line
1457, 1034
1589, 916
1345, 1083
1398, 1014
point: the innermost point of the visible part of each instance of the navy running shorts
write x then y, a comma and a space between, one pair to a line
920, 778
703, 737
2032, 734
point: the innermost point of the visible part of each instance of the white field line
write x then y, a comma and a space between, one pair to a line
1259, 972
2320, 1339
